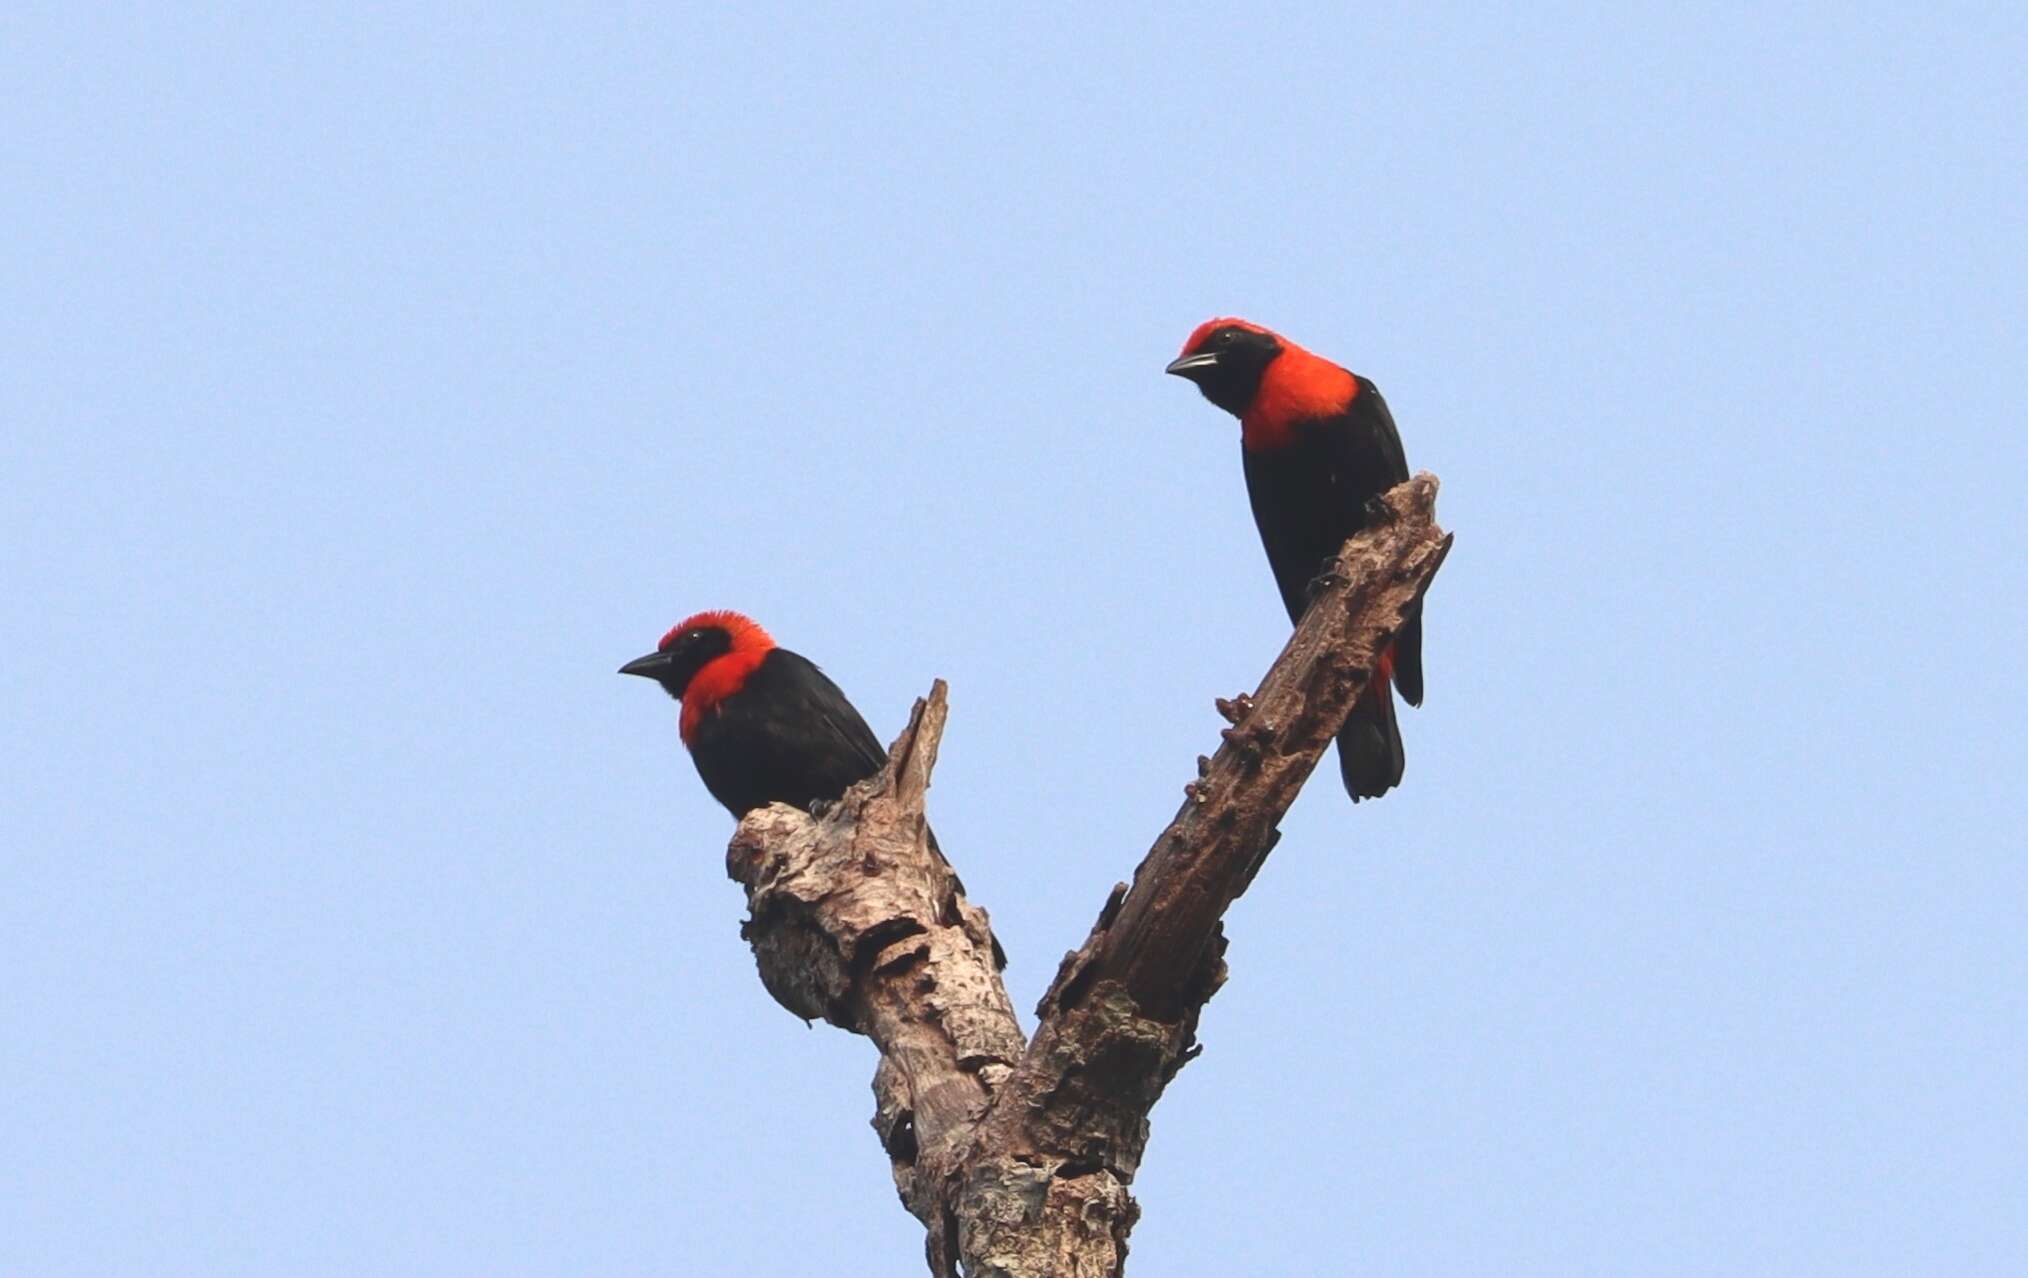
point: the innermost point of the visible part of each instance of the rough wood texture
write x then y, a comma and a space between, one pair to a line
1016, 1155
855, 917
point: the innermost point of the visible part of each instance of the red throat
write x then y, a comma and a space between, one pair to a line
725, 674
1297, 387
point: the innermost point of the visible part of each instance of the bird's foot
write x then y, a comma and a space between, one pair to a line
1233, 709
1328, 579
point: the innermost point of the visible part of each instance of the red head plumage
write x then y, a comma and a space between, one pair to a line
1294, 385
704, 659
1203, 331
745, 633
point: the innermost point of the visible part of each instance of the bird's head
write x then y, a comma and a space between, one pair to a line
694, 643
1227, 358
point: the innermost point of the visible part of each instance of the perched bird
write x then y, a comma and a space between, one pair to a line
1318, 443
763, 725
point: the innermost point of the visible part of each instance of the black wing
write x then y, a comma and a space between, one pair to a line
1382, 442
787, 736
1369, 460
836, 728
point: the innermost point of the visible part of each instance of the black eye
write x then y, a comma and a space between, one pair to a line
1225, 338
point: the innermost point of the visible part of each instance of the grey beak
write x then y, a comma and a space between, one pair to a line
1189, 365
652, 666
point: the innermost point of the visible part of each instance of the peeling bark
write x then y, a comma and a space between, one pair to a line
856, 918
1017, 1155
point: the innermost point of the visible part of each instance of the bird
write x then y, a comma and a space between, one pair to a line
763, 724
1317, 444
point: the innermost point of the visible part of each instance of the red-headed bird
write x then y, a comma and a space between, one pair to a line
1318, 444
763, 725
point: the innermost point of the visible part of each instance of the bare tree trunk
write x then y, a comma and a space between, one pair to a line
1016, 1154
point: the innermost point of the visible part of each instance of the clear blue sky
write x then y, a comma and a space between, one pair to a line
375, 385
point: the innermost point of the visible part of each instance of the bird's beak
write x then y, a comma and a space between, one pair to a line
652, 666
1190, 366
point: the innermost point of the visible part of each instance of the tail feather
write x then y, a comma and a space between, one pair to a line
1370, 757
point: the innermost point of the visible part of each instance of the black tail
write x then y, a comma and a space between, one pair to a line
1369, 748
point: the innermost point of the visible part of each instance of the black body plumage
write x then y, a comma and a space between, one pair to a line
788, 735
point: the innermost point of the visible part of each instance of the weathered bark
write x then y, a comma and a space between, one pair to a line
1016, 1155
855, 917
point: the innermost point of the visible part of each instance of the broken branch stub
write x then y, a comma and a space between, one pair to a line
855, 917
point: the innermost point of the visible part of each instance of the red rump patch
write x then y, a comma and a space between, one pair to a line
723, 675
1384, 668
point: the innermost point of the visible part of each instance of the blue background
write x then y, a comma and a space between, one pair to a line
377, 382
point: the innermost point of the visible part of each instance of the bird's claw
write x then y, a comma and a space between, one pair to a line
1233, 709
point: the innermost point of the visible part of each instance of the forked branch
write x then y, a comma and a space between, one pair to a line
1017, 1155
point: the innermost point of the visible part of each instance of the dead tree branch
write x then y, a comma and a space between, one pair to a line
1016, 1155
855, 917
